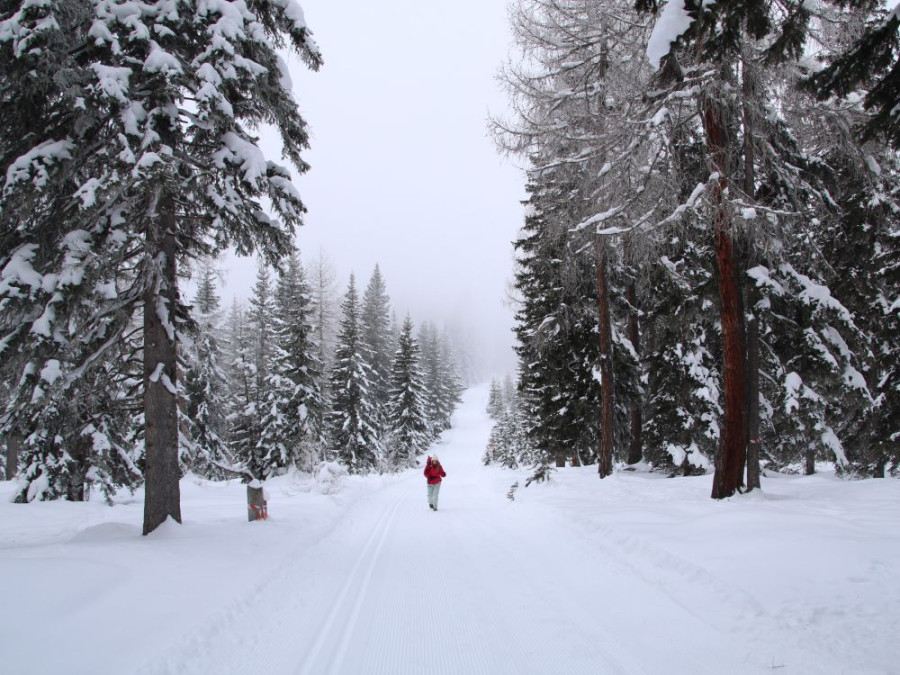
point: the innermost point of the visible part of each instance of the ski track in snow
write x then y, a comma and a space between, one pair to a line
471, 589
568, 579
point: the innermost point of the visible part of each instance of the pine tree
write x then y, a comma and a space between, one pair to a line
254, 363
206, 403
681, 357
407, 415
555, 329
135, 156
243, 395
354, 432
868, 65
78, 436
375, 320
495, 400
261, 317
508, 444
442, 384
323, 290
292, 421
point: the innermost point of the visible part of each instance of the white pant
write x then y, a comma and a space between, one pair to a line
433, 491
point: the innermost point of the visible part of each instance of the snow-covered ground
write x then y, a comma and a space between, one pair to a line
633, 574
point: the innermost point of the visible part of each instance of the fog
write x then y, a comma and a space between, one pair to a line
403, 170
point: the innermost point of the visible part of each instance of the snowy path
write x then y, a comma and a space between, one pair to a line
635, 575
478, 587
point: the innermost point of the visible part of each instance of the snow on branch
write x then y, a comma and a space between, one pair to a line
236, 150
35, 164
19, 272
672, 23
599, 218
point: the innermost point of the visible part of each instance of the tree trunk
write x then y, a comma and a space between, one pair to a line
79, 451
604, 458
12, 456
560, 458
732, 445
162, 497
753, 447
636, 449
753, 444
810, 461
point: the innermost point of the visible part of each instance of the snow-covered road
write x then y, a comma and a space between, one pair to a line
474, 588
635, 574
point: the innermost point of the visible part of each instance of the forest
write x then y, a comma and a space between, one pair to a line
708, 277
129, 164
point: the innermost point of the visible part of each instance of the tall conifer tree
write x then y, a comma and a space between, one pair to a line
354, 430
135, 155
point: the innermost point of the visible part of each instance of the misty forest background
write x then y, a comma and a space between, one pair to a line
706, 279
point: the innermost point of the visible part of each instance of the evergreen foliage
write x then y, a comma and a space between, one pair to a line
354, 430
126, 149
408, 432
743, 241
375, 320
292, 422
205, 394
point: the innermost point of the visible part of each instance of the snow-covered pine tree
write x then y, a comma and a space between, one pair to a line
555, 330
575, 89
508, 444
353, 423
134, 153
261, 317
206, 400
243, 413
495, 400
292, 431
858, 245
680, 356
375, 322
443, 384
253, 359
408, 429
868, 64
80, 436
323, 289
452, 386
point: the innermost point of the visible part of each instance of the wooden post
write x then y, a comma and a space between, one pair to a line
257, 507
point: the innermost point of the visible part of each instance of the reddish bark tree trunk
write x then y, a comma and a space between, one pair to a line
162, 496
604, 459
732, 445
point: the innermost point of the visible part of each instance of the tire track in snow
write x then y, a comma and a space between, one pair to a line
359, 582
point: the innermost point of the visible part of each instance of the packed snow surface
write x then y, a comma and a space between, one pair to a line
633, 574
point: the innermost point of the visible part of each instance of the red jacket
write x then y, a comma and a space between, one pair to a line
434, 472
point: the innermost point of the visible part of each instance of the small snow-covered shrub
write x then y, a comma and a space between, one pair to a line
328, 476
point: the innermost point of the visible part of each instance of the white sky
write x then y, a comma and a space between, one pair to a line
403, 171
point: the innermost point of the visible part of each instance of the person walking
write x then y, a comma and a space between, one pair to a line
434, 472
